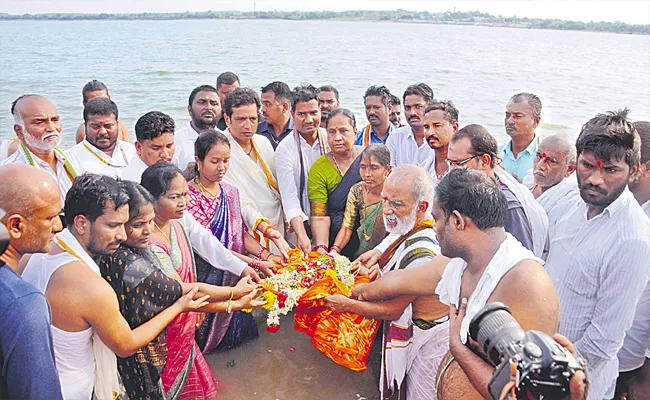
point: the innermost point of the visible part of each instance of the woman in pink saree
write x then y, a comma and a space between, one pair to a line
186, 369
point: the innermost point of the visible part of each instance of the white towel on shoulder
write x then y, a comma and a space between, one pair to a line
510, 253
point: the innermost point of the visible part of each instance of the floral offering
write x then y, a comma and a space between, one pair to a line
284, 289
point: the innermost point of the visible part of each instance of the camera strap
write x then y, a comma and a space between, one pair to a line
509, 389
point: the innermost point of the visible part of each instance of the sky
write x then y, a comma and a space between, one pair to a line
629, 11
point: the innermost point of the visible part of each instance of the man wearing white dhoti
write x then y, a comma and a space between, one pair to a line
252, 163
87, 327
407, 214
101, 152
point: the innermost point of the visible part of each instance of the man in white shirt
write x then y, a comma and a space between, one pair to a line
555, 162
633, 365
440, 124
38, 127
154, 132
101, 152
598, 256
294, 158
205, 110
408, 144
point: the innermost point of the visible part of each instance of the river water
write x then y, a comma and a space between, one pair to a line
154, 65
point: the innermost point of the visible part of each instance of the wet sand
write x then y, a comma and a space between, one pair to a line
267, 369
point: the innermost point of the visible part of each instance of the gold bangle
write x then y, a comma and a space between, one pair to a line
232, 293
229, 306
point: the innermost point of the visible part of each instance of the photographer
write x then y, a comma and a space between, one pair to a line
30, 202
487, 265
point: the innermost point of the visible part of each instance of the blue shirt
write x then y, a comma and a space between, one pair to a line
26, 351
265, 129
373, 136
524, 161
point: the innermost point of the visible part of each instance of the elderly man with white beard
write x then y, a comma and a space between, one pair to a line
407, 195
555, 161
38, 126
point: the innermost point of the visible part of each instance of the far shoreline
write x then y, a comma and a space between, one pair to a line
473, 18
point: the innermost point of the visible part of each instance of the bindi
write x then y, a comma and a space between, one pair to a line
599, 164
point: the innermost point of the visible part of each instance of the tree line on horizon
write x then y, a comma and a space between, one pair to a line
400, 15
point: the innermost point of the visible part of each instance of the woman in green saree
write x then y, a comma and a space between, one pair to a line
364, 206
330, 179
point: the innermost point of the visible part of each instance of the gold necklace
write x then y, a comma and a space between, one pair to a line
336, 164
364, 210
204, 189
163, 233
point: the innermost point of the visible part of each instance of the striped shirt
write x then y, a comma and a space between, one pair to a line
637, 338
600, 268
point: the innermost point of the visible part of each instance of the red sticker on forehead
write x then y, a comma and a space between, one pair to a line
101, 123
599, 164
543, 155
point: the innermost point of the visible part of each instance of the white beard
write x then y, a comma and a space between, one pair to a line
402, 226
41, 144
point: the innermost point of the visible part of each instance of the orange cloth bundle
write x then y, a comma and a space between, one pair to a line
345, 338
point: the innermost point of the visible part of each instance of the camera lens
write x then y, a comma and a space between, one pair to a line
494, 328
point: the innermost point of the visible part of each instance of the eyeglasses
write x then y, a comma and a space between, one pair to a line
452, 163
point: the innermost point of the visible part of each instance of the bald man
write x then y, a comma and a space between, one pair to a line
407, 195
38, 126
30, 202
555, 162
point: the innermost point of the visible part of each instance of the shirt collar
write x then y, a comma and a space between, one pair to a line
98, 152
617, 205
58, 155
531, 149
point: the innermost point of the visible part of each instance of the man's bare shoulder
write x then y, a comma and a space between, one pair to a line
77, 276
81, 133
530, 293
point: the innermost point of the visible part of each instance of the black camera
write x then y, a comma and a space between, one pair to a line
539, 367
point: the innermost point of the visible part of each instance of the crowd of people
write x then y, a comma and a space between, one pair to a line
127, 262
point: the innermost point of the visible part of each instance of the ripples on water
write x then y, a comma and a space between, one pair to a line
154, 65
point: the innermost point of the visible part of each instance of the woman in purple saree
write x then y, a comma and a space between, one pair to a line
216, 205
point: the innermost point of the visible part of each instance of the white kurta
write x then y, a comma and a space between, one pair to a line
91, 159
287, 163
184, 143
257, 188
133, 171
62, 176
405, 150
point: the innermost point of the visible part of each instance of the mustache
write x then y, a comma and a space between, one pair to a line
589, 186
55, 134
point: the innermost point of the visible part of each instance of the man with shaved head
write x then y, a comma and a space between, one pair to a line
38, 126
408, 320
30, 202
